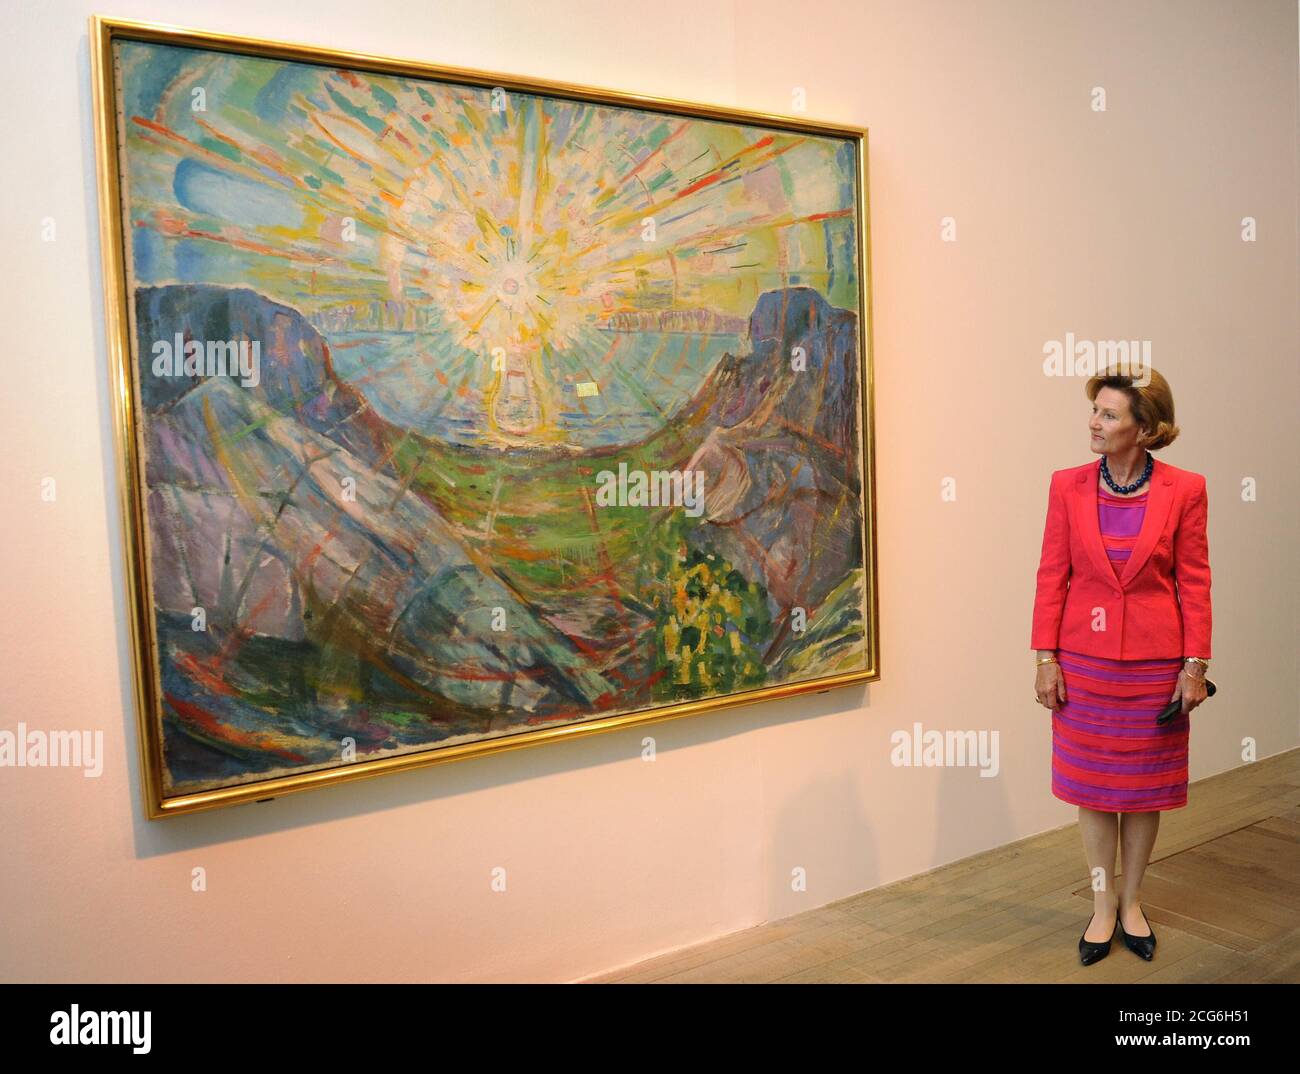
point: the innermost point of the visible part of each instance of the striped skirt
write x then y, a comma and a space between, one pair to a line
1108, 752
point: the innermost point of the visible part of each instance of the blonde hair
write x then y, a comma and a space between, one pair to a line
1150, 399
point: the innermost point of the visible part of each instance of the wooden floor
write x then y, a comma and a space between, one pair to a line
1222, 893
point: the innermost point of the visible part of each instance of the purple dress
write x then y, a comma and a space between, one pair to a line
1108, 753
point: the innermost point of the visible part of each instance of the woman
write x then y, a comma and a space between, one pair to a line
1122, 627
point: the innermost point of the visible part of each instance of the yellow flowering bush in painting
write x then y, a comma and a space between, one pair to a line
712, 623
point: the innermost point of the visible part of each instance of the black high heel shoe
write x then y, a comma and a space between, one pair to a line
1090, 952
1140, 945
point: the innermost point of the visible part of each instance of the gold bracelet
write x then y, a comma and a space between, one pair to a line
1046, 660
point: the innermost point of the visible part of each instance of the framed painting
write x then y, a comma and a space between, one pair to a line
459, 411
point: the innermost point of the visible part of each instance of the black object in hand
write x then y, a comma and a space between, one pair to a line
1174, 707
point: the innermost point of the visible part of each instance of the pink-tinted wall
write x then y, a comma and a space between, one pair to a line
1122, 224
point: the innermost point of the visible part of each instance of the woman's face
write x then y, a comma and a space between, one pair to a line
1114, 432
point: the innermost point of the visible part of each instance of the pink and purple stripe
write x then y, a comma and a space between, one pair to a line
1120, 518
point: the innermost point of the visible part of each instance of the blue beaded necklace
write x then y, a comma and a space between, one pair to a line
1123, 490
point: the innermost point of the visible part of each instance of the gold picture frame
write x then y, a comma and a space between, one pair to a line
105, 35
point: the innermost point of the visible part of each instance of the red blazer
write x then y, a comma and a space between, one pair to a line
1159, 606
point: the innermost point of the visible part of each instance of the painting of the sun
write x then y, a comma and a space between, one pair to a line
460, 412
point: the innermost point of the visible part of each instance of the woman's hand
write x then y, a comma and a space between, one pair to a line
1049, 685
1191, 689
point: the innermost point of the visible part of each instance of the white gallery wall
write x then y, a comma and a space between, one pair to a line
1122, 224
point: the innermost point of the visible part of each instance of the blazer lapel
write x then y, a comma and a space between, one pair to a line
1090, 525
1159, 501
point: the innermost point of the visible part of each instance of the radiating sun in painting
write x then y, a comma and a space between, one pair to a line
514, 229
